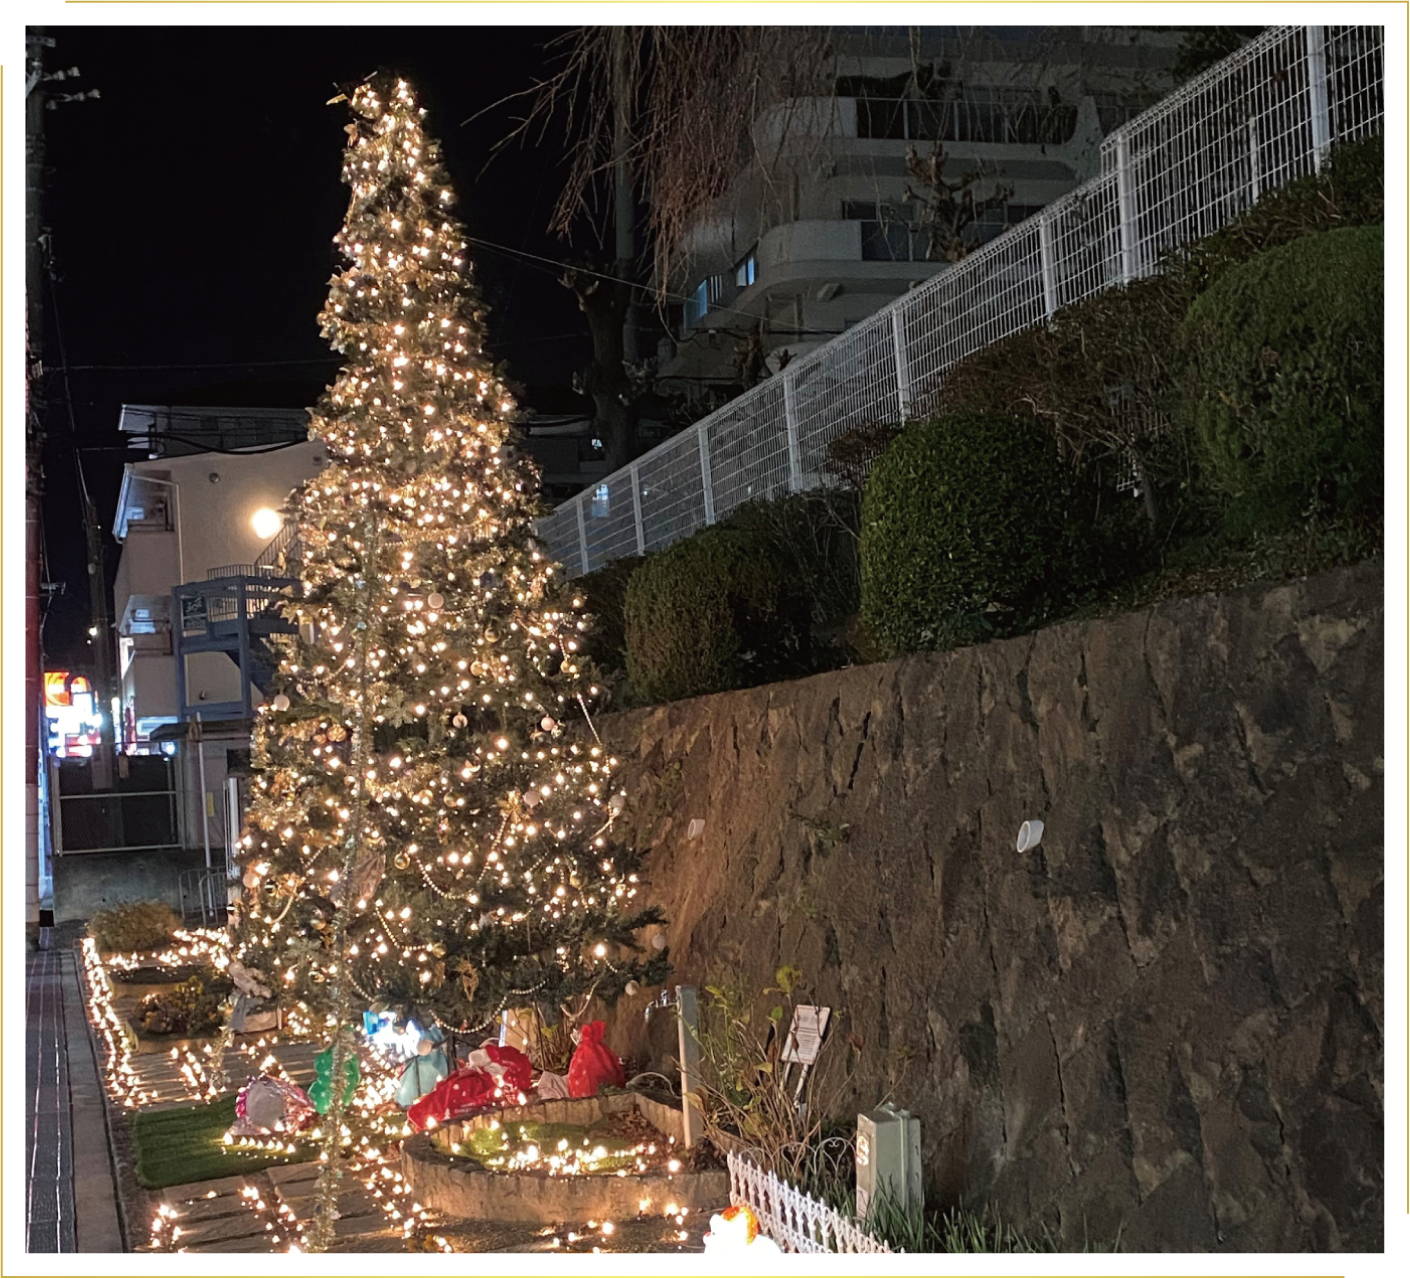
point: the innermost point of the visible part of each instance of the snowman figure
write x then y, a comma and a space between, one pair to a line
735, 1231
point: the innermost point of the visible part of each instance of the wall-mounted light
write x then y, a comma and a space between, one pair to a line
267, 522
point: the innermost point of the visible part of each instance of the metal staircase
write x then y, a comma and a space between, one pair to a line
235, 611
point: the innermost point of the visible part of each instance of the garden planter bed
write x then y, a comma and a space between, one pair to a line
462, 1186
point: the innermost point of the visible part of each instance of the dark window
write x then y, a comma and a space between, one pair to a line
886, 242
994, 222
980, 113
887, 234
881, 118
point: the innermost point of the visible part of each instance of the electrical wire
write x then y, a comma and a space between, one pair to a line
242, 364
210, 448
598, 275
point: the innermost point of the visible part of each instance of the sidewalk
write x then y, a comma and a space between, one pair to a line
71, 1194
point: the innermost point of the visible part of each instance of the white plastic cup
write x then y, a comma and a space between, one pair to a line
1030, 834
696, 828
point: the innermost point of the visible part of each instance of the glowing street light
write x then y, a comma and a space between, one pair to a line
267, 522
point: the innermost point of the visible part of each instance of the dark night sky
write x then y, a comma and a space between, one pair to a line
192, 209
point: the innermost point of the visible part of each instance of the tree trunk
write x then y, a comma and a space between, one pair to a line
605, 302
623, 213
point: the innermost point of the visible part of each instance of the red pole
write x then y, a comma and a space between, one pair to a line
34, 740
34, 697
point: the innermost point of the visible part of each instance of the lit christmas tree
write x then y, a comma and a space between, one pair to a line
423, 835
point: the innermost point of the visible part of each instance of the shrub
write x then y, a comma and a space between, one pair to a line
605, 590
1350, 191
1099, 379
851, 455
191, 1007
964, 525
1103, 377
713, 612
814, 536
1285, 386
134, 926
745, 1089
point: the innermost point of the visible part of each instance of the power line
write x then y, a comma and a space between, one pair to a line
243, 364
206, 447
598, 275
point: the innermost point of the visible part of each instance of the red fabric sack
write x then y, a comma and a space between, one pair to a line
594, 1064
518, 1070
472, 1087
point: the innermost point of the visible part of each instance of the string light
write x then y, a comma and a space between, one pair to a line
424, 836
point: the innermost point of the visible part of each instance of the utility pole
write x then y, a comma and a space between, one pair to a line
102, 636
34, 737
623, 208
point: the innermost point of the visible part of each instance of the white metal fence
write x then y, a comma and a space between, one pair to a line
1180, 171
795, 1221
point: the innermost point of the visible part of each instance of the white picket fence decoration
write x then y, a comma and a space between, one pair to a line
1260, 118
792, 1219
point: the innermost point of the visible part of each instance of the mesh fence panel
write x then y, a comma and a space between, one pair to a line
850, 382
1180, 171
672, 493
748, 451
1356, 81
610, 520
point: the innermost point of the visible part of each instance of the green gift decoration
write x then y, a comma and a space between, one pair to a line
321, 1090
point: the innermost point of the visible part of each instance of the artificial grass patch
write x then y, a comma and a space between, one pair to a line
625, 1142
175, 1147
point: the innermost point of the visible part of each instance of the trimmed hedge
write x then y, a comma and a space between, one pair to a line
605, 590
1350, 191
1284, 388
813, 537
713, 612
1104, 376
964, 531
1100, 379
132, 926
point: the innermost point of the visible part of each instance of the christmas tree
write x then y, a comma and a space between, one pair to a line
430, 831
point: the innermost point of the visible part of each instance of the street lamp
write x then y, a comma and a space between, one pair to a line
267, 522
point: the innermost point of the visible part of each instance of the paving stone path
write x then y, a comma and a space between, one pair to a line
265, 1212
71, 1196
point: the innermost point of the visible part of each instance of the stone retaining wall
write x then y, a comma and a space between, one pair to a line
1168, 1019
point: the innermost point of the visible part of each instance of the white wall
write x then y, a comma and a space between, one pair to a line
214, 515
217, 496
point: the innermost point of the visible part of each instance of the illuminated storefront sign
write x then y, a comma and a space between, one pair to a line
75, 722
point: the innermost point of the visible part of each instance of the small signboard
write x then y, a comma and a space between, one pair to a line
193, 613
805, 1035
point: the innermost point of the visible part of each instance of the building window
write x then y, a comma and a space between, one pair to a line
886, 230
703, 298
994, 222
745, 272
982, 113
601, 502
695, 306
1114, 109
